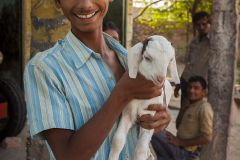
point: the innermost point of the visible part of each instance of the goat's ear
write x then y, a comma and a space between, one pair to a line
173, 71
134, 58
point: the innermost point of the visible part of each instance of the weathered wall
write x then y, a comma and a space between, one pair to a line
47, 26
26, 30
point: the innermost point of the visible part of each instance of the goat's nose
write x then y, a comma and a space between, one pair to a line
160, 78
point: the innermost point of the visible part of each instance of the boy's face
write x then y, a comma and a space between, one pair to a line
112, 33
203, 26
84, 15
195, 91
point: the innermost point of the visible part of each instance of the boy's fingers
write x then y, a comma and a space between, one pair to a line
156, 107
159, 129
146, 118
149, 118
159, 116
150, 125
159, 125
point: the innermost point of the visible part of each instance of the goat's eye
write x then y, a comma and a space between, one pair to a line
149, 59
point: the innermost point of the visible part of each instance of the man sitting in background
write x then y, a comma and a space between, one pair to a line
195, 128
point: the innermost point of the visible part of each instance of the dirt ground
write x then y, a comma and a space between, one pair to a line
18, 153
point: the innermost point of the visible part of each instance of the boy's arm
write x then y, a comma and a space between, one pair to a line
201, 140
84, 143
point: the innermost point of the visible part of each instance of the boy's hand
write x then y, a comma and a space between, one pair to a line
159, 121
173, 139
138, 88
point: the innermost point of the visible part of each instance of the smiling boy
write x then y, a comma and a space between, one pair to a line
76, 91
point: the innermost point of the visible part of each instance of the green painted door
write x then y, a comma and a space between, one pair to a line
117, 14
11, 39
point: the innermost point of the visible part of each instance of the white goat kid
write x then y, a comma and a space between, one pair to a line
151, 59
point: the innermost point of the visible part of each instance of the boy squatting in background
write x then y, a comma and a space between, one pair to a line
76, 91
195, 128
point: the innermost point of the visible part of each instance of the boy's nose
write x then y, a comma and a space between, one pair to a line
84, 4
202, 26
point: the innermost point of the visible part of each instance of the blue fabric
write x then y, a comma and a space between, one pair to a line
167, 151
67, 84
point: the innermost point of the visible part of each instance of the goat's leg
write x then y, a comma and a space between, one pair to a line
142, 150
120, 136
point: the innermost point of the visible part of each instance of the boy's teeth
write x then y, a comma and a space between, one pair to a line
85, 16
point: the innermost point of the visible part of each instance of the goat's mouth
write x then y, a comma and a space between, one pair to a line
159, 80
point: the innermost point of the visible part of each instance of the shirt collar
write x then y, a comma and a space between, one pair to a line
83, 53
198, 103
207, 36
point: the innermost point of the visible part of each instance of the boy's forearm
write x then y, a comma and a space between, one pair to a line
201, 140
84, 143
98, 127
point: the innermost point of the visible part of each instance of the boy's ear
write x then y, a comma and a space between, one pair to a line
57, 4
205, 92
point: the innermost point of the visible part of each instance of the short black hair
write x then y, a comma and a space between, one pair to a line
199, 79
200, 15
110, 25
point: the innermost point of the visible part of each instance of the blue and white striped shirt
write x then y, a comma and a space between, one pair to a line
67, 84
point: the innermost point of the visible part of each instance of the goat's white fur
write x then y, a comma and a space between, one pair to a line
161, 54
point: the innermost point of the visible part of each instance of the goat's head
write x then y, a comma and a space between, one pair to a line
151, 58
